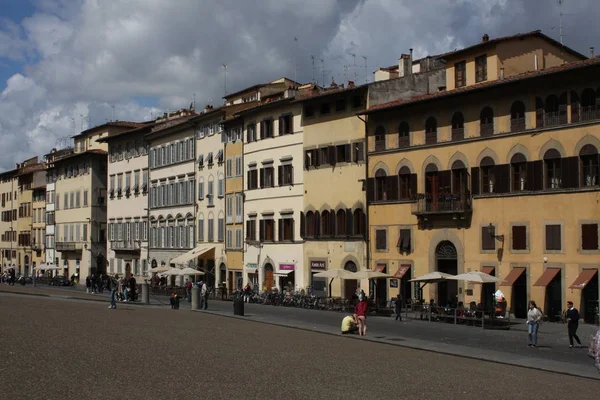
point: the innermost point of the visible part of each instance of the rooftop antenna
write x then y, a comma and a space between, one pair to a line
560, 3
354, 64
113, 114
323, 71
194, 102
345, 68
224, 78
295, 59
313, 66
366, 74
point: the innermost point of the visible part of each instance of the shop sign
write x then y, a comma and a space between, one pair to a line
286, 267
251, 266
318, 264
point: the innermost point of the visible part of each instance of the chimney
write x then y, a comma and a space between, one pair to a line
485, 38
535, 62
410, 61
207, 108
591, 52
403, 63
350, 84
501, 73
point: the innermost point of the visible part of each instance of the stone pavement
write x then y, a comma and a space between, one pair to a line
501, 346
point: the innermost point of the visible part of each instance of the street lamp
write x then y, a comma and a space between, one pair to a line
491, 229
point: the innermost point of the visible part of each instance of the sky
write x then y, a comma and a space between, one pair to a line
66, 65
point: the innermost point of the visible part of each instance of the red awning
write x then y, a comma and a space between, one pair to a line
403, 269
512, 277
487, 270
380, 267
583, 279
547, 277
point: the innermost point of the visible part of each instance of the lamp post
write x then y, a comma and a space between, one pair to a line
491, 229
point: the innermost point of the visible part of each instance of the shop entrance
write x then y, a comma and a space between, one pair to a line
406, 289
381, 288
589, 300
519, 296
488, 290
350, 285
447, 262
553, 307
269, 283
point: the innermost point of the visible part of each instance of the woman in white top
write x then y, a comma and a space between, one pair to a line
534, 317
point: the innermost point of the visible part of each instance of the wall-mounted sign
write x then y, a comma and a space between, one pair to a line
318, 264
393, 283
286, 267
252, 266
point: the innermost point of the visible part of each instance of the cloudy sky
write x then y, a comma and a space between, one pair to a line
68, 64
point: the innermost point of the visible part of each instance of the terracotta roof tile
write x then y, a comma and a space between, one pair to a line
127, 124
489, 84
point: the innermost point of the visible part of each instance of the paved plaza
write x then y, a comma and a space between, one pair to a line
56, 348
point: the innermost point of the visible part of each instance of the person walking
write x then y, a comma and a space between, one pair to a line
398, 308
572, 324
113, 294
534, 317
88, 284
204, 293
360, 310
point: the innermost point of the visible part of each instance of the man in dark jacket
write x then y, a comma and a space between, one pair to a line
132, 288
572, 323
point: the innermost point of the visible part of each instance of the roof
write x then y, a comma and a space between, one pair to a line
126, 124
253, 87
229, 111
28, 169
119, 135
84, 153
537, 33
308, 95
485, 85
165, 126
265, 105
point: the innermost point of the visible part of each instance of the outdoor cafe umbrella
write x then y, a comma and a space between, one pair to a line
370, 275
334, 273
432, 277
191, 271
162, 268
173, 272
476, 277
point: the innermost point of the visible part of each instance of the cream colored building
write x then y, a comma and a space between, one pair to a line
127, 209
8, 218
334, 211
172, 171
273, 159
497, 174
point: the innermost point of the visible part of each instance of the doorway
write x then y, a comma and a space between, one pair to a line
269, 283
350, 285
26, 265
487, 293
519, 296
127, 270
447, 262
406, 288
100, 264
553, 307
381, 288
589, 301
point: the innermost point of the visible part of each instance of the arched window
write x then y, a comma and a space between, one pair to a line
458, 126
488, 179
430, 131
325, 231
552, 169
317, 224
380, 185
518, 166
459, 178
403, 135
431, 181
404, 183
517, 117
310, 224
340, 223
588, 105
562, 108
539, 112
359, 222
551, 109
574, 106
379, 138
589, 165
486, 122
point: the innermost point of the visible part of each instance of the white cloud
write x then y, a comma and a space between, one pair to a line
83, 57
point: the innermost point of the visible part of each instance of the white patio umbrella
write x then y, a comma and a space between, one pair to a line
162, 268
476, 277
334, 273
432, 277
191, 271
173, 272
369, 274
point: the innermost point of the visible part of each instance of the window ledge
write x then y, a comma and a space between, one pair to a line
526, 251
589, 252
537, 192
553, 252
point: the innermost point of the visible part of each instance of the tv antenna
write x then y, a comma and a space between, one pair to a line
366, 73
313, 68
224, 79
560, 3
323, 71
295, 59
354, 64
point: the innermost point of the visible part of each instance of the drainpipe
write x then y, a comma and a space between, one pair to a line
367, 227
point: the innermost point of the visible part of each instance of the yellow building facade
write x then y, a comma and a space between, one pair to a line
8, 218
498, 176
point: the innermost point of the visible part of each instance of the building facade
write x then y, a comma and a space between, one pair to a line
8, 220
497, 174
127, 208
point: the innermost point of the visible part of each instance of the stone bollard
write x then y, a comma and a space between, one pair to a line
195, 298
145, 293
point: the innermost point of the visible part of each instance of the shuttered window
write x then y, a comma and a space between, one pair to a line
381, 239
553, 237
519, 237
488, 242
589, 237
404, 245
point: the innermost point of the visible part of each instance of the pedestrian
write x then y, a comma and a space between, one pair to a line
572, 324
360, 310
398, 308
204, 293
132, 288
349, 325
113, 295
534, 318
88, 284
188, 290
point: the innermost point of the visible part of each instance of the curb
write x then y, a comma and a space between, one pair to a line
67, 297
411, 346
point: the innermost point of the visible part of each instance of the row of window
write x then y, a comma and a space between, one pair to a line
39, 215
172, 237
24, 239
553, 113
72, 200
331, 155
73, 232
119, 188
266, 128
24, 210
9, 236
210, 159
8, 196
126, 151
237, 242
265, 177
128, 231
210, 229
238, 199
68, 171
8, 216
403, 245
210, 190
209, 129
266, 229
169, 194
230, 172
134, 262
460, 71
330, 223
181, 151
340, 105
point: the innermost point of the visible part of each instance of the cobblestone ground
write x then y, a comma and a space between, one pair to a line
64, 349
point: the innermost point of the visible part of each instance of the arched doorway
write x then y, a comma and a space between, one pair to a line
127, 270
447, 262
100, 264
350, 285
269, 282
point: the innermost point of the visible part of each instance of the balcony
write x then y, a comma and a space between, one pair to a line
69, 246
443, 203
517, 124
124, 245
